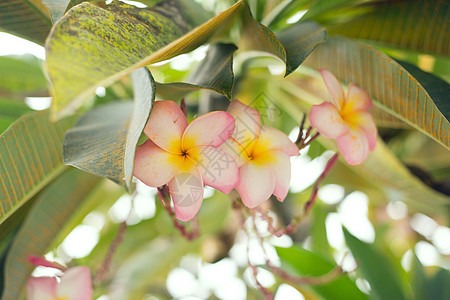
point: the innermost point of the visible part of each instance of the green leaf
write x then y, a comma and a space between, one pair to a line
105, 44
319, 242
291, 45
417, 25
26, 18
214, 73
439, 287
299, 40
308, 263
22, 76
420, 104
30, 157
322, 6
53, 207
57, 8
104, 140
419, 279
10, 111
375, 268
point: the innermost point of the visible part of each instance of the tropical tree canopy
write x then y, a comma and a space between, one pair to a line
225, 149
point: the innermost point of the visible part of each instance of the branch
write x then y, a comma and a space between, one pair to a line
106, 265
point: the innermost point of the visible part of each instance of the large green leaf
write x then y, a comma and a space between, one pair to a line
105, 44
308, 263
421, 104
53, 207
292, 45
26, 18
22, 76
418, 25
376, 269
30, 157
104, 140
215, 73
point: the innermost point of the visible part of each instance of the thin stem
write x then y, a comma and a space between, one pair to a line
183, 107
164, 196
238, 208
328, 167
311, 139
300, 133
106, 265
304, 140
333, 274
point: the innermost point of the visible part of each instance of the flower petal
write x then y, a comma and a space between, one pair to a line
155, 166
218, 168
354, 146
334, 87
166, 125
236, 151
248, 124
274, 139
364, 121
281, 165
211, 129
357, 99
42, 262
41, 288
75, 284
187, 190
256, 183
326, 119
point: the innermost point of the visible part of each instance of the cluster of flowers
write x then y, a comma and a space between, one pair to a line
227, 150
224, 150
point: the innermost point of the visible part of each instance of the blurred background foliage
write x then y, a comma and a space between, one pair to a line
385, 222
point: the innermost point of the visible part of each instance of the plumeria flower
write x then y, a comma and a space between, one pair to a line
74, 284
262, 155
347, 119
186, 156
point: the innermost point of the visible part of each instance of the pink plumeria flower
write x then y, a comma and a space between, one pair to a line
347, 119
74, 284
262, 155
186, 156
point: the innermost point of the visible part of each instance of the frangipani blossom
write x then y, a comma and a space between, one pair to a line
347, 120
186, 156
262, 155
74, 284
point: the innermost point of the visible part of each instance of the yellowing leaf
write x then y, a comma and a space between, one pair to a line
30, 158
105, 44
